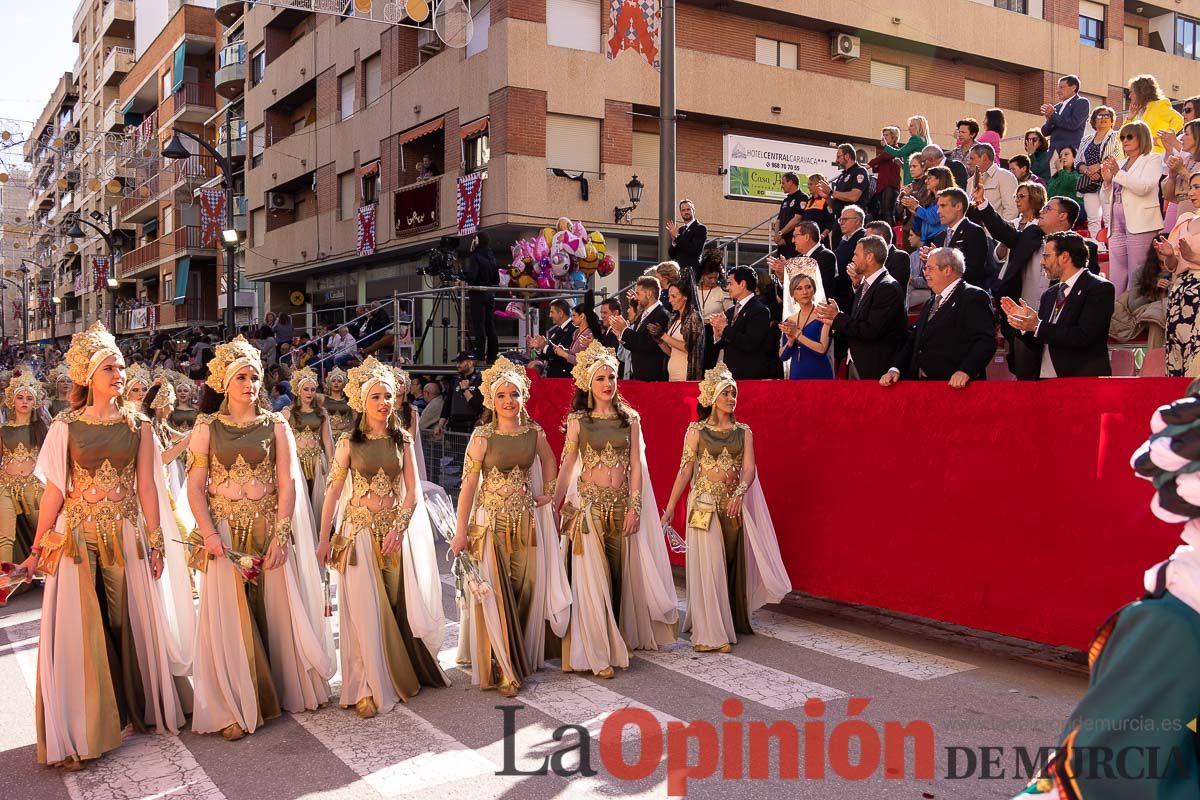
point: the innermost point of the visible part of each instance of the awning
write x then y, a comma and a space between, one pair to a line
181, 280
180, 64
150, 227
422, 130
473, 128
369, 170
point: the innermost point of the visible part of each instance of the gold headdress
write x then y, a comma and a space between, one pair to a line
305, 375
337, 374
363, 377
716, 380
503, 371
228, 359
87, 351
166, 392
136, 373
591, 359
403, 379
23, 382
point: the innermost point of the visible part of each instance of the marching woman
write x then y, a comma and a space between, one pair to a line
117, 617
314, 440
137, 383
263, 643
733, 561
383, 554
335, 402
185, 413
158, 405
622, 593
20, 491
505, 525
60, 386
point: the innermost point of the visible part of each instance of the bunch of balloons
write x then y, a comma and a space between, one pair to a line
558, 258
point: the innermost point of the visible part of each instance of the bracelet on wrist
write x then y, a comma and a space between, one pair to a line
741, 489
403, 518
283, 532
155, 539
635, 503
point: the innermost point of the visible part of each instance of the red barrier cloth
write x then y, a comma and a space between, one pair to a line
1008, 507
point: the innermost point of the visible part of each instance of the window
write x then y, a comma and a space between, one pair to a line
979, 92
298, 124
346, 95
372, 78
1187, 31
166, 87
258, 66
572, 143
258, 227
1019, 6
476, 152
775, 54
371, 184
645, 152
574, 24
1091, 23
258, 143
483, 21
890, 76
1132, 35
347, 198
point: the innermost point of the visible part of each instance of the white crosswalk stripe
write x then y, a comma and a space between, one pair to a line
143, 767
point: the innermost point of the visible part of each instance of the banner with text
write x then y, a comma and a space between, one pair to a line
754, 166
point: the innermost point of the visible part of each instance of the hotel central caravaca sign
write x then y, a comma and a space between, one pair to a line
417, 207
754, 166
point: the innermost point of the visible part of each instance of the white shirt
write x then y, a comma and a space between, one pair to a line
1047, 364
1000, 187
646, 313
866, 284
950, 229
812, 250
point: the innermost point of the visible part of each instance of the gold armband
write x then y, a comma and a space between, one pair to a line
336, 474
687, 458
741, 489
549, 486
155, 539
283, 532
635, 503
470, 465
570, 447
195, 459
403, 517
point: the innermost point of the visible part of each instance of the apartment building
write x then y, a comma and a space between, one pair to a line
341, 110
14, 247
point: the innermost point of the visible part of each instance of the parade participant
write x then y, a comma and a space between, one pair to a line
263, 645
185, 413
505, 524
20, 491
622, 593
336, 405
60, 384
157, 405
314, 439
137, 383
733, 561
387, 649
117, 618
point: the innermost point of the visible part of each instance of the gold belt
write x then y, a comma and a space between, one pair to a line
720, 490
241, 515
602, 499
378, 524
104, 519
309, 456
17, 486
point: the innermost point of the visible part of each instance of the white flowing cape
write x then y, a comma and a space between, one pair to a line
552, 598
161, 615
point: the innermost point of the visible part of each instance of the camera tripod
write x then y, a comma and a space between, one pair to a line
444, 305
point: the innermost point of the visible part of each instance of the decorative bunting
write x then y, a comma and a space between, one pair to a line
366, 230
99, 272
212, 216
18, 312
44, 296
635, 25
470, 193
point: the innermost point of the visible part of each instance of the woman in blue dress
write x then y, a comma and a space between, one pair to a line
805, 340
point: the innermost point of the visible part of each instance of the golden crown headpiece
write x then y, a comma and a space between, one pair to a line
228, 359
305, 375
592, 358
337, 374
166, 392
136, 373
23, 382
403, 379
716, 380
363, 377
61, 371
503, 371
88, 350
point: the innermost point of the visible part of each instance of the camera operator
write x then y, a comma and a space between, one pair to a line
481, 270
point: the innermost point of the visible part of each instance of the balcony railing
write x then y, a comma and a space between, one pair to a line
177, 241
148, 318
195, 94
117, 62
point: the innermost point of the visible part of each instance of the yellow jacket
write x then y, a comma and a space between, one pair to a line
1159, 115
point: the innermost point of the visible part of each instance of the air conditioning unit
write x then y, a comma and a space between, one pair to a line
844, 47
280, 201
428, 41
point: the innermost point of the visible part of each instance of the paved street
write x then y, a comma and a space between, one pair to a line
448, 744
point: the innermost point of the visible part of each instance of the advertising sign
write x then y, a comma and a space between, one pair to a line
754, 166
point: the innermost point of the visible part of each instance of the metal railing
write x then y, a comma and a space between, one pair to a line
724, 243
195, 94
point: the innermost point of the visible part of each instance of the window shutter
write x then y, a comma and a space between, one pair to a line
766, 51
979, 92
788, 55
1091, 10
645, 152
373, 72
346, 93
574, 24
259, 227
347, 196
258, 141
572, 143
890, 76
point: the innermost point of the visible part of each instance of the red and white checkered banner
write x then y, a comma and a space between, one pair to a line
366, 230
635, 25
99, 272
470, 193
212, 216
44, 297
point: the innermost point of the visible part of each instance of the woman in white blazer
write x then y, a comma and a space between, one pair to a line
1131, 198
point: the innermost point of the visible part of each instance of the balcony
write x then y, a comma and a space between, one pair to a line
180, 242
229, 11
117, 19
234, 149
230, 79
192, 102
112, 120
239, 214
118, 61
184, 176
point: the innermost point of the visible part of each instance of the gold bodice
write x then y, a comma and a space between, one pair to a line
376, 467
721, 450
18, 444
102, 455
58, 405
183, 419
340, 414
506, 486
241, 454
306, 421
603, 441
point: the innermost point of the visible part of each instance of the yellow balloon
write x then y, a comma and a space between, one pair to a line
597, 239
417, 10
548, 235
3, 177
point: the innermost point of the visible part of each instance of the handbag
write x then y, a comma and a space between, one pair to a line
701, 514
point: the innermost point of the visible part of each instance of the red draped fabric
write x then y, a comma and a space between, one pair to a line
1008, 507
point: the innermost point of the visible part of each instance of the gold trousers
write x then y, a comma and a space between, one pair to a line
733, 535
18, 519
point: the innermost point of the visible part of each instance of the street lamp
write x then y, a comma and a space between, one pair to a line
112, 238
176, 150
634, 189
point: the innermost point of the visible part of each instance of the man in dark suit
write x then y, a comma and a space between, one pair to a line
1066, 119
874, 327
963, 235
1070, 327
850, 221
744, 332
687, 240
806, 238
640, 338
954, 337
897, 263
559, 335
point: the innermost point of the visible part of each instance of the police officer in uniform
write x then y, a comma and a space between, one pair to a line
852, 186
789, 215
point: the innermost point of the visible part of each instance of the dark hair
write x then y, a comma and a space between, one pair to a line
881, 229
791, 176
875, 246
957, 196
613, 304
482, 240
685, 289
579, 402
1070, 80
746, 275
395, 428
561, 305
810, 228
148, 400
1021, 160
993, 120
849, 150
589, 314
1069, 206
1072, 244
713, 260
972, 125
1043, 142
264, 332
648, 282
1074, 152
1145, 282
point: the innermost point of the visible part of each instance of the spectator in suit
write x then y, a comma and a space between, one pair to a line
1070, 327
648, 361
789, 214
1037, 149
954, 337
744, 334
481, 269
850, 223
963, 235
897, 261
932, 156
807, 240
559, 335
999, 185
608, 309
687, 240
874, 327
966, 132
1066, 119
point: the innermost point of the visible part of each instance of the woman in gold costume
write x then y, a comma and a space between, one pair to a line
60, 386
505, 523
623, 595
158, 404
137, 383
733, 561
20, 491
314, 439
262, 646
341, 417
117, 618
185, 413
383, 554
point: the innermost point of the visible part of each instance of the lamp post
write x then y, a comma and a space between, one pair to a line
634, 189
112, 239
56, 300
176, 150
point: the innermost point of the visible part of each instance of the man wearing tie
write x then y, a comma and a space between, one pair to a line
561, 332
1070, 327
744, 332
1066, 120
963, 235
954, 337
648, 361
874, 327
687, 240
